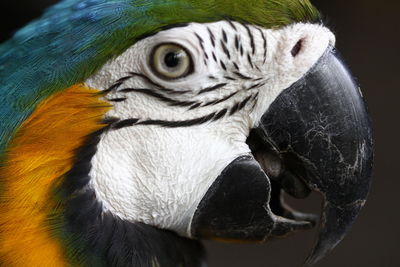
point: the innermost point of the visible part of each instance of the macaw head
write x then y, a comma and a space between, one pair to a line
218, 108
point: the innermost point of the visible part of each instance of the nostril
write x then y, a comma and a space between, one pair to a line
297, 48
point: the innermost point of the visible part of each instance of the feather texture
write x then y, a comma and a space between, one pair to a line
41, 153
75, 38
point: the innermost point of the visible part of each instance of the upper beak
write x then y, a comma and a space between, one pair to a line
320, 130
315, 136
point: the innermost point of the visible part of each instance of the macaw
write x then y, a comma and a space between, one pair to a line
132, 129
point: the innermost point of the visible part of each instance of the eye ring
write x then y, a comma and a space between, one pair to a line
171, 61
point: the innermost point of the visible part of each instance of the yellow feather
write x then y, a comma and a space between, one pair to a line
39, 155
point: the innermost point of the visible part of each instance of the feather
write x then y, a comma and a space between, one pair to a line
75, 38
41, 153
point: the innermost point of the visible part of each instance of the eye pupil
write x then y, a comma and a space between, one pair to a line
171, 60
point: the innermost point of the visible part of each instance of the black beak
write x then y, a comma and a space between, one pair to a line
320, 130
315, 136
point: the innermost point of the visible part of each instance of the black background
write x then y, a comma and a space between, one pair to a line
368, 36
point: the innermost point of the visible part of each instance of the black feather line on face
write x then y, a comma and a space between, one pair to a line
244, 102
257, 85
201, 43
250, 61
164, 123
242, 76
224, 36
97, 238
232, 25
161, 97
225, 49
124, 123
264, 44
214, 57
237, 42
123, 79
177, 124
223, 65
120, 99
220, 114
171, 91
229, 77
212, 37
113, 87
252, 44
116, 85
254, 100
195, 106
234, 109
212, 88
217, 101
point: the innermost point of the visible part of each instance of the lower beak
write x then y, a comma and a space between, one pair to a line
315, 136
320, 130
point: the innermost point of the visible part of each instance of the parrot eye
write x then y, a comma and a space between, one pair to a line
171, 61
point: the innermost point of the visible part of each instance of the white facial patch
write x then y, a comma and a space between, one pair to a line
173, 137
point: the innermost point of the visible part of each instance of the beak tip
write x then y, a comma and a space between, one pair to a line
320, 250
335, 223
310, 261
316, 255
